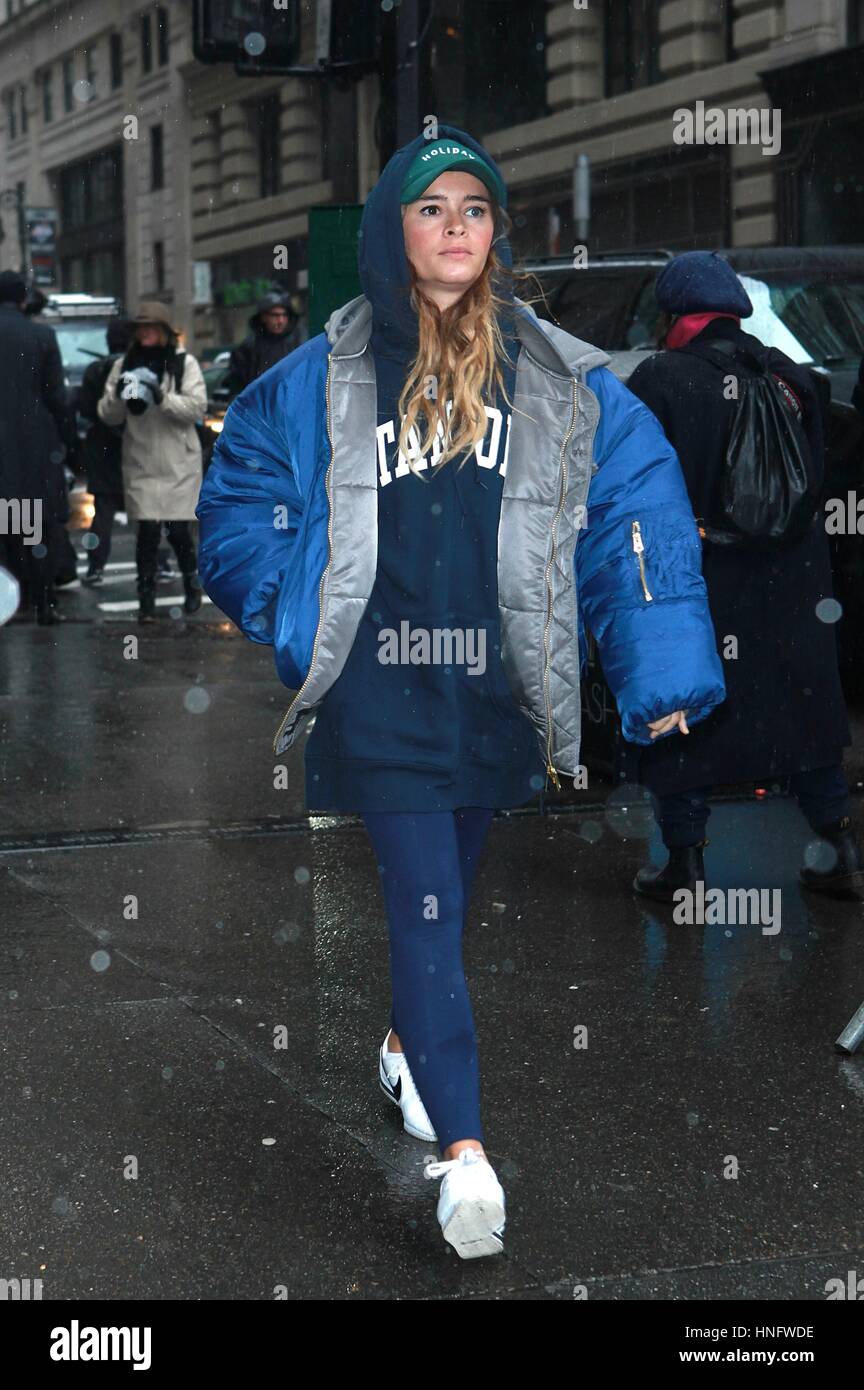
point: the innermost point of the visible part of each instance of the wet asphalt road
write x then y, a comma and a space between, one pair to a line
168, 915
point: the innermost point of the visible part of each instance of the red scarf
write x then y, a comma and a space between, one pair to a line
686, 327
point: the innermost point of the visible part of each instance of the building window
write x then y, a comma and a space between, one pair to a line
47, 83
22, 94
90, 74
68, 83
146, 44
632, 45
265, 117
159, 265
116, 61
855, 22
11, 116
91, 191
162, 35
729, 30
157, 160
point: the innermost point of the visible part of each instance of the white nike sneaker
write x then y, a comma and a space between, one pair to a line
396, 1081
470, 1204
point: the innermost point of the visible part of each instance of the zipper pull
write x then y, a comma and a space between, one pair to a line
553, 773
639, 548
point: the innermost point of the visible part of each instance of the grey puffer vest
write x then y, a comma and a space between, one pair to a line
543, 504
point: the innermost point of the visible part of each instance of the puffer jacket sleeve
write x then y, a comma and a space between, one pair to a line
249, 510
651, 621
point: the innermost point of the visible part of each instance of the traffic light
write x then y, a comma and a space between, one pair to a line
263, 36
260, 32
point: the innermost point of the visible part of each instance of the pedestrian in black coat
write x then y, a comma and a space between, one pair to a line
34, 411
102, 450
274, 331
773, 612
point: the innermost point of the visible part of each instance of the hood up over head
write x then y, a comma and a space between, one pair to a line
384, 269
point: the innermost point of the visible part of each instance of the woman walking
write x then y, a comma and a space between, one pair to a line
396, 508
158, 393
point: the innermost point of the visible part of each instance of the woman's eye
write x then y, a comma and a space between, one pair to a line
479, 208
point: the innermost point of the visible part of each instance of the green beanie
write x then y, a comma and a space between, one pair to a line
432, 160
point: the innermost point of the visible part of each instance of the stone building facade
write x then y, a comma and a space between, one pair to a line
178, 180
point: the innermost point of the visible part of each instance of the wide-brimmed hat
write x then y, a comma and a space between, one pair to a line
153, 311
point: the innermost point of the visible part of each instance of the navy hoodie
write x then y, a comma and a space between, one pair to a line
442, 730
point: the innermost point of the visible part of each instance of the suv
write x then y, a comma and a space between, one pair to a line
79, 320
807, 301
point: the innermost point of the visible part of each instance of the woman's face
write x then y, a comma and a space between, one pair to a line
448, 233
151, 335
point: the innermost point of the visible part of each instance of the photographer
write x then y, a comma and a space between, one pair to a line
158, 393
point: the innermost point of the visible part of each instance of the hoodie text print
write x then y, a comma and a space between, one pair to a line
490, 453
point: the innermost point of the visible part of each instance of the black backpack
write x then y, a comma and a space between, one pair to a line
771, 485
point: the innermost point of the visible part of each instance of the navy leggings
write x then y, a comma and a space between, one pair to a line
427, 862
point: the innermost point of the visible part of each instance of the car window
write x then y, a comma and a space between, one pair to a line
80, 343
812, 320
640, 331
593, 304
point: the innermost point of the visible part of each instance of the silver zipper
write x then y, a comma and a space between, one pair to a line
551, 770
639, 548
299, 694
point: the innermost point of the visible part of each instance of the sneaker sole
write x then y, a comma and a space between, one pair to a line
426, 1135
471, 1228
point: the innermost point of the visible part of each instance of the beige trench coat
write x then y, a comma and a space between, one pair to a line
162, 469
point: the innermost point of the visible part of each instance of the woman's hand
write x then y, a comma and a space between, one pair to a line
669, 721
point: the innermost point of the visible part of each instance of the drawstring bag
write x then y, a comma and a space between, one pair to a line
770, 485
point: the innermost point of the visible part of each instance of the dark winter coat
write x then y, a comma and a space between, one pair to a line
784, 709
260, 350
35, 416
102, 450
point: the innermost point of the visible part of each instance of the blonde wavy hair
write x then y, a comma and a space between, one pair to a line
459, 355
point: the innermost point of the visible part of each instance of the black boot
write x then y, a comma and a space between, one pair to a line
46, 608
684, 869
192, 585
843, 874
147, 600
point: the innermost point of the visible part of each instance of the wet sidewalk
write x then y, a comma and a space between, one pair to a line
194, 986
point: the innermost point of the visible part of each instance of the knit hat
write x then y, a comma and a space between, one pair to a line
699, 282
12, 287
434, 159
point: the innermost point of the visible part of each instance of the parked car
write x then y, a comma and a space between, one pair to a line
809, 302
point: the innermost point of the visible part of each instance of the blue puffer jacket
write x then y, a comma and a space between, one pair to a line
596, 525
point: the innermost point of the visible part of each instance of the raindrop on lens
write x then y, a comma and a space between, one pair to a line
196, 700
591, 831
254, 44
10, 593
628, 811
828, 610
302, 875
100, 960
82, 90
536, 783
39, 551
90, 542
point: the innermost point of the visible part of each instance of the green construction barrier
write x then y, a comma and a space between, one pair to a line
333, 275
